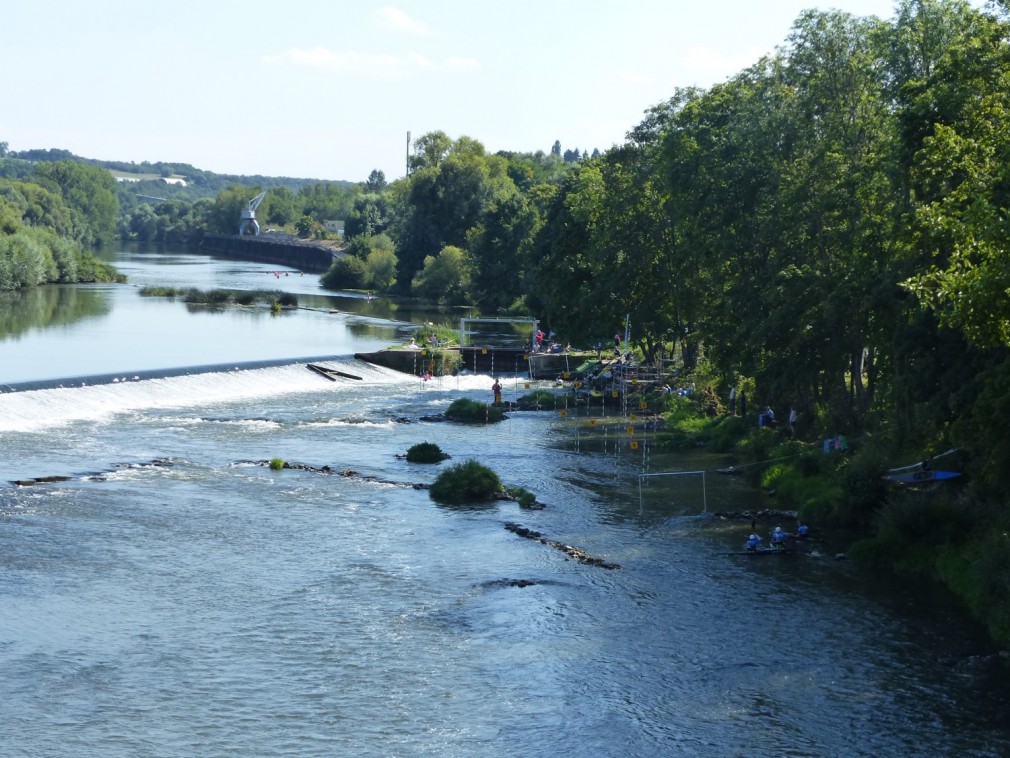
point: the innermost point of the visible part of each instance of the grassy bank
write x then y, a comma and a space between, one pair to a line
940, 531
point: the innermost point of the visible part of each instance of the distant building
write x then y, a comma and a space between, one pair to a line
176, 180
127, 179
336, 226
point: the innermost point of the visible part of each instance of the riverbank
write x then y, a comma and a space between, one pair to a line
940, 532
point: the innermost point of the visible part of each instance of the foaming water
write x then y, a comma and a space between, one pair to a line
176, 596
83, 401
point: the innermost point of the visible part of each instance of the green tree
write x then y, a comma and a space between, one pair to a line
444, 278
438, 205
376, 182
499, 248
90, 193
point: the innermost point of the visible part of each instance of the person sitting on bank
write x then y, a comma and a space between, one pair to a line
802, 531
753, 542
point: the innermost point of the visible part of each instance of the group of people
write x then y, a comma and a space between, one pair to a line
778, 538
547, 343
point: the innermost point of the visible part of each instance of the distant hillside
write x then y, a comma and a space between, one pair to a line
139, 182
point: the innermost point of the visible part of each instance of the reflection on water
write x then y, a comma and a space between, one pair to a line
141, 334
52, 305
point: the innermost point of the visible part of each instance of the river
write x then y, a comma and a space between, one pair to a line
174, 596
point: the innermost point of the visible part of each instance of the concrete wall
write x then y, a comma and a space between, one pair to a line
263, 248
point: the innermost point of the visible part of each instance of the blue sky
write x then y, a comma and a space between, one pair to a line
329, 90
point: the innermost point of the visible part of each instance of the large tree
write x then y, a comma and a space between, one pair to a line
90, 193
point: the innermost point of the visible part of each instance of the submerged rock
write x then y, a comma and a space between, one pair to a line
575, 552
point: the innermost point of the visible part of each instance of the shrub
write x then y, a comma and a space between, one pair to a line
525, 498
471, 412
160, 291
467, 482
276, 464
426, 452
542, 399
207, 297
344, 273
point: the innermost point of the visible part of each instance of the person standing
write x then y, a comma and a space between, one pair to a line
742, 397
496, 389
732, 400
792, 421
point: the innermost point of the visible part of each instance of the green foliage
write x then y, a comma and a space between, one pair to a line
444, 335
426, 452
444, 278
978, 571
161, 291
219, 297
468, 411
345, 273
814, 496
523, 496
543, 400
758, 444
725, 432
208, 297
276, 464
466, 483
90, 193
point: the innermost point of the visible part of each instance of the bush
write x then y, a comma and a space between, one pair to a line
471, 412
524, 497
347, 273
426, 452
160, 291
542, 399
208, 297
276, 464
467, 482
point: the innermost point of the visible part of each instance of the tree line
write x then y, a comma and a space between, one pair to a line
829, 225
49, 221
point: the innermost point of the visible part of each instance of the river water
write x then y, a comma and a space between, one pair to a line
173, 596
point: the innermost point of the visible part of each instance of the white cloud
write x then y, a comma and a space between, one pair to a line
397, 19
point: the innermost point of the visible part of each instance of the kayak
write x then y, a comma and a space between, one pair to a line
765, 551
922, 476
